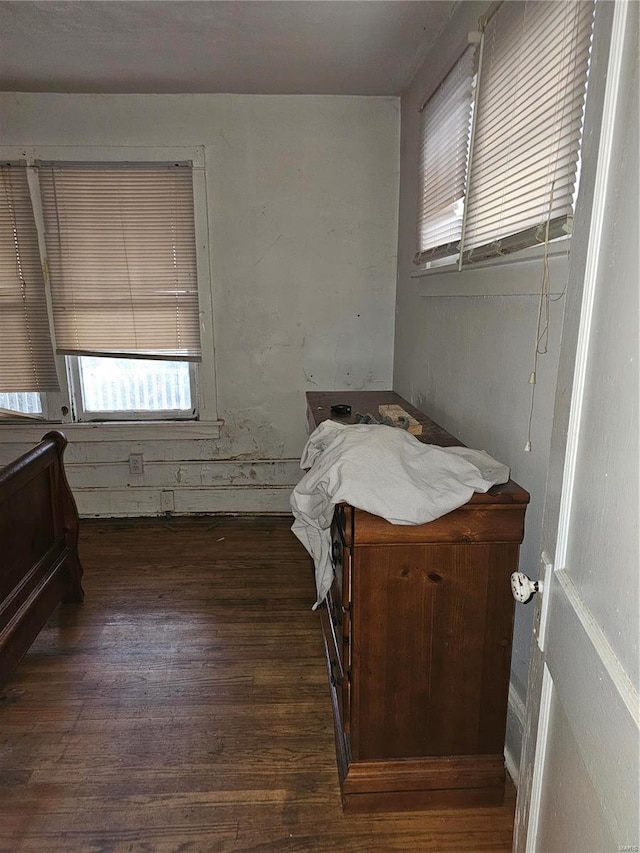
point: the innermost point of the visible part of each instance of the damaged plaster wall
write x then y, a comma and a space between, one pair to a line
302, 212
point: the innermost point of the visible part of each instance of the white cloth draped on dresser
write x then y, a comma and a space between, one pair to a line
386, 472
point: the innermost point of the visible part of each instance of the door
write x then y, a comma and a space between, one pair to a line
579, 774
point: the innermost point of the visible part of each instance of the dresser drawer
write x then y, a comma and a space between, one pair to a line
335, 669
339, 597
336, 617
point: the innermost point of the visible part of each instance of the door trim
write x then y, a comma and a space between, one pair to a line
598, 214
572, 374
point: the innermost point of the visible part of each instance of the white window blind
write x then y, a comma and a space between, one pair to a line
528, 128
444, 148
26, 355
122, 259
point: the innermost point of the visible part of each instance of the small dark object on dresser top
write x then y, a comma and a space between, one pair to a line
341, 410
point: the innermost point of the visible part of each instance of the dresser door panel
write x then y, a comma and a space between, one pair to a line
431, 629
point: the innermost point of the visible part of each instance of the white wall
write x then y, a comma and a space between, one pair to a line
302, 207
603, 538
464, 349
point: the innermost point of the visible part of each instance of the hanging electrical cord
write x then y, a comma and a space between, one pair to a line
542, 327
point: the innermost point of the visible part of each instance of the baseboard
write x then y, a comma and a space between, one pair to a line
179, 487
140, 502
515, 727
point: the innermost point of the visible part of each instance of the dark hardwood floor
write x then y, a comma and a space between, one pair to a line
184, 707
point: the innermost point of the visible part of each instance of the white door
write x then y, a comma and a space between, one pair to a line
580, 770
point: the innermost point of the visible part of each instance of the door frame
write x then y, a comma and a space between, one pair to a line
609, 32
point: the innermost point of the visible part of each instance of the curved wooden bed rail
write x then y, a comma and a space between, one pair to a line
39, 563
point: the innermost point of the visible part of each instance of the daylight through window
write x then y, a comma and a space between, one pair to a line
523, 131
120, 302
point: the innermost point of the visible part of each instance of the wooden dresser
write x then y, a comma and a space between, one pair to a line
417, 630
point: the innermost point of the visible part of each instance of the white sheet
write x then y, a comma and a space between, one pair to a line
385, 471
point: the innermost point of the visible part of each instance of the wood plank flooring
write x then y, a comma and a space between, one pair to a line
184, 707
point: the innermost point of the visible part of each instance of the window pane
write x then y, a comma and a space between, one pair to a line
134, 385
28, 402
444, 150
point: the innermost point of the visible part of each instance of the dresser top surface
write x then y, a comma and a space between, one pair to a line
319, 409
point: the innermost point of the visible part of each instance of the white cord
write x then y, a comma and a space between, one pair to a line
542, 328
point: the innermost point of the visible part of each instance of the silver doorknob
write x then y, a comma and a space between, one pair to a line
523, 588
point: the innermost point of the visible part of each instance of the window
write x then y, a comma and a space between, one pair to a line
444, 153
26, 355
119, 305
132, 388
24, 403
524, 142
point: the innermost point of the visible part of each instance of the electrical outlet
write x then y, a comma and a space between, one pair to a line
136, 463
166, 501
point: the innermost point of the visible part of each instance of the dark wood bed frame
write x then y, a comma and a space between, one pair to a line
39, 564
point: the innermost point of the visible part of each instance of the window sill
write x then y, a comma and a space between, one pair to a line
481, 279
113, 430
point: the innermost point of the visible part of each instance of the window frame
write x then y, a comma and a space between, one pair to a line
58, 407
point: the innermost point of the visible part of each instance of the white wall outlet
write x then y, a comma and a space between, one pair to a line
136, 463
166, 501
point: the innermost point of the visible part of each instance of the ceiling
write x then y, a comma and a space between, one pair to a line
360, 47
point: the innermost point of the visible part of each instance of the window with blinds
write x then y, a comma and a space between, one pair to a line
26, 354
444, 152
524, 151
98, 263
